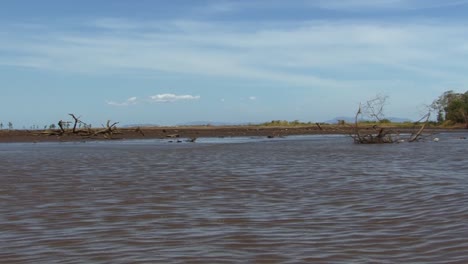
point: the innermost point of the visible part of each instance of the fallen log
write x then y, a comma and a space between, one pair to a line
108, 131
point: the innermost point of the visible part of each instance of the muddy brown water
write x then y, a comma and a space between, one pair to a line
311, 199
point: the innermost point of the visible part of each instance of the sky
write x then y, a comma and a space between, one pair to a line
170, 62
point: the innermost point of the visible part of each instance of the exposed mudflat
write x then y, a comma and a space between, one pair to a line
191, 132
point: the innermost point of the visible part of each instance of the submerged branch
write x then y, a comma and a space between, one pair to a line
416, 136
380, 135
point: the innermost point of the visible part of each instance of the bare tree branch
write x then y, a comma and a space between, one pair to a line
77, 120
374, 108
416, 136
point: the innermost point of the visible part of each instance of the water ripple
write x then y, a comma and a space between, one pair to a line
296, 200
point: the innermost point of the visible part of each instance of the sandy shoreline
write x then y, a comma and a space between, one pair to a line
11, 136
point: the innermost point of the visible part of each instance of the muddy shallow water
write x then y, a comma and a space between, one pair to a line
300, 199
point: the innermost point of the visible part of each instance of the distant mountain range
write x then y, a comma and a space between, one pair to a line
140, 125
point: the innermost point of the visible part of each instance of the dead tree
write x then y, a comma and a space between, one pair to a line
138, 130
374, 108
60, 124
417, 135
319, 126
108, 130
55, 132
77, 120
86, 131
377, 134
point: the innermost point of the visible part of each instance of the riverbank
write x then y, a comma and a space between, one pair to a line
193, 132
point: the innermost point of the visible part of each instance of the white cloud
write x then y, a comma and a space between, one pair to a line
159, 98
129, 101
252, 98
357, 4
170, 98
316, 54
366, 5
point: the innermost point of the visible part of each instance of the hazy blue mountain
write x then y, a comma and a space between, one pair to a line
140, 125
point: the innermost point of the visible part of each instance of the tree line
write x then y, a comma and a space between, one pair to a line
452, 107
10, 125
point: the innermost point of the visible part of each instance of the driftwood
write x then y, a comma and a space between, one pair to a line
52, 133
417, 135
108, 130
381, 135
77, 121
138, 130
86, 132
319, 127
60, 124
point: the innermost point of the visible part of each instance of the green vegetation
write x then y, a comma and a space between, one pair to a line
451, 108
286, 123
364, 123
406, 124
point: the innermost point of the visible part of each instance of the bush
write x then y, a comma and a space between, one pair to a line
385, 121
448, 123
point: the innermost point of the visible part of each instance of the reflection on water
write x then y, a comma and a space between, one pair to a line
244, 200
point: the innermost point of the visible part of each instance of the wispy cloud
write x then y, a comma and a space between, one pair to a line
366, 5
220, 7
171, 98
158, 98
319, 54
129, 101
360, 5
252, 98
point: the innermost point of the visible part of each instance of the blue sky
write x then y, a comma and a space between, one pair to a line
171, 62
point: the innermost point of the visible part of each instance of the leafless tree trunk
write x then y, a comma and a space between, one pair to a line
417, 135
379, 135
77, 120
108, 130
60, 124
374, 108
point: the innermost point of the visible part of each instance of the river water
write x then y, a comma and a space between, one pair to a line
309, 199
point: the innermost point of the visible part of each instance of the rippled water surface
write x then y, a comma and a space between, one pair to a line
311, 199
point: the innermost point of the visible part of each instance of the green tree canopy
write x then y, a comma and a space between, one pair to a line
452, 106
